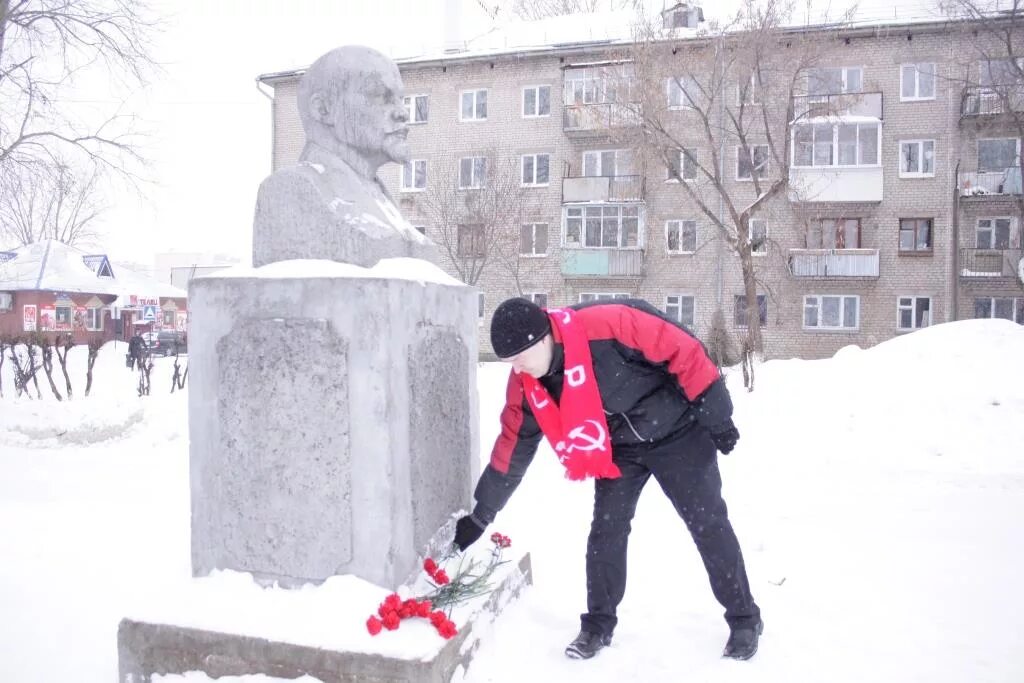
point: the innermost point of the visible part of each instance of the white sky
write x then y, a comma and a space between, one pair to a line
210, 129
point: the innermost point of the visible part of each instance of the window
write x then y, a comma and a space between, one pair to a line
748, 92
998, 154
536, 101
1000, 307
470, 240
679, 307
831, 312
834, 80
685, 166
6, 301
915, 234
602, 296
94, 319
747, 162
917, 82
913, 312
683, 92
758, 236
62, 315
539, 298
421, 229
917, 158
840, 144
474, 105
993, 233
472, 172
533, 240
681, 237
834, 233
614, 226
608, 162
168, 318
740, 310
417, 107
996, 72
598, 85
535, 169
414, 175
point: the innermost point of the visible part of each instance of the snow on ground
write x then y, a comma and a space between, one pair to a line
878, 496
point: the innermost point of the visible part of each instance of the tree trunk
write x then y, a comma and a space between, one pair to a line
94, 350
754, 342
48, 368
63, 358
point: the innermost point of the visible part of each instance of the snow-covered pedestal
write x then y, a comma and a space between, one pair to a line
332, 417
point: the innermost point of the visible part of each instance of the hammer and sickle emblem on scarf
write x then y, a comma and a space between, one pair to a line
536, 403
566, 315
584, 441
576, 375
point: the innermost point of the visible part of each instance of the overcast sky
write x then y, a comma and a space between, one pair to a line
210, 126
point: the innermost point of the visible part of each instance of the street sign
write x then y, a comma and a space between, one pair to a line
149, 314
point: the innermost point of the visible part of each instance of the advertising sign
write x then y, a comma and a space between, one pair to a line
28, 315
48, 319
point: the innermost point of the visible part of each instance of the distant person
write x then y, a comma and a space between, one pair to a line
622, 394
136, 350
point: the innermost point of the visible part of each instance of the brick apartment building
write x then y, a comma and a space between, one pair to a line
921, 225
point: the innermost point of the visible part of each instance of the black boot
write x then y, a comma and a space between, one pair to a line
743, 642
586, 645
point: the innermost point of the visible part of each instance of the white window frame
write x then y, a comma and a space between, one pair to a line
916, 97
757, 303
94, 319
763, 250
1016, 312
625, 154
753, 91
684, 168
410, 108
536, 102
844, 88
602, 296
676, 84
476, 182
411, 167
475, 92
912, 308
992, 229
819, 312
835, 145
533, 240
920, 142
678, 305
766, 165
621, 234
522, 169
678, 224
532, 296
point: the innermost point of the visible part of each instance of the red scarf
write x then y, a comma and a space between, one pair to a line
577, 429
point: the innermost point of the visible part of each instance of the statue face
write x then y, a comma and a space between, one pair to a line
373, 117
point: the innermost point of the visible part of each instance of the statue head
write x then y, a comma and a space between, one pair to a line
350, 101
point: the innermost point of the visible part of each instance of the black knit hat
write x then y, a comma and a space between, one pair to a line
517, 325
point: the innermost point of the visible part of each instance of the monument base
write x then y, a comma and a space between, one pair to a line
146, 648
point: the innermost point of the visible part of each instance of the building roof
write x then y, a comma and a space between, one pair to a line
54, 266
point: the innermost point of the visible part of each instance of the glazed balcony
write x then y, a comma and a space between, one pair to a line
833, 263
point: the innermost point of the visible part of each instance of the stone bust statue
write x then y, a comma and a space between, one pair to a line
332, 205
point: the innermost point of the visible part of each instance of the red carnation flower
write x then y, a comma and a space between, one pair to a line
393, 602
440, 577
501, 540
391, 621
437, 618
373, 625
447, 629
406, 611
423, 609
429, 566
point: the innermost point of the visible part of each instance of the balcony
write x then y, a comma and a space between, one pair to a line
833, 263
992, 101
838, 106
835, 183
611, 263
989, 263
987, 183
596, 120
618, 188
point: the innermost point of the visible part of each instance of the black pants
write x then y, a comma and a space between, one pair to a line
686, 468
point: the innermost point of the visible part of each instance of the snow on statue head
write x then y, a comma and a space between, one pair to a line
332, 205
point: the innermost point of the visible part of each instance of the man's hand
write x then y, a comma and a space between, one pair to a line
467, 532
725, 436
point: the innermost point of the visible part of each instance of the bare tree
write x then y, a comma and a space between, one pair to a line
736, 88
49, 201
47, 48
540, 9
475, 205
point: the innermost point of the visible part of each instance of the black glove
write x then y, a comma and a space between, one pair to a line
467, 532
725, 436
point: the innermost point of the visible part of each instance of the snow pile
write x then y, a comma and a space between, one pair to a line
402, 268
878, 497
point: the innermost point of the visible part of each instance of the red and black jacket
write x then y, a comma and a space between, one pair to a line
655, 379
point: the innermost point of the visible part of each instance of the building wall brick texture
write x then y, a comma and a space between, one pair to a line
712, 274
